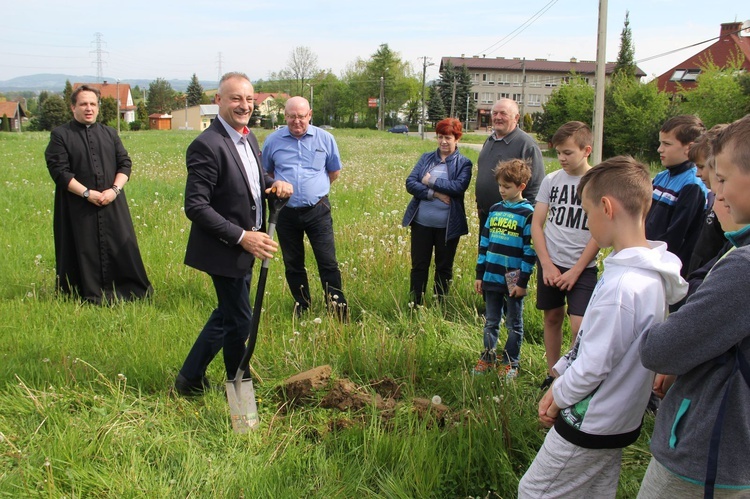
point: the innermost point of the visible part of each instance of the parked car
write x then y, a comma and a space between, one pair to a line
326, 127
399, 129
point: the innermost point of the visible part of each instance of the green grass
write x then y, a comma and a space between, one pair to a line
86, 407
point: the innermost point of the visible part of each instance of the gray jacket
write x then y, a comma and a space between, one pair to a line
693, 344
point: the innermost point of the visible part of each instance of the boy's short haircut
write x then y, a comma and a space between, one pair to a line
734, 139
514, 170
623, 178
685, 127
701, 147
580, 131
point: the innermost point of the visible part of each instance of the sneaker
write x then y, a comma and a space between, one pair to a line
510, 372
547, 382
487, 362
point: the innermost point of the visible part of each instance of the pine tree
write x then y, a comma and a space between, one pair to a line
435, 106
194, 92
626, 57
67, 94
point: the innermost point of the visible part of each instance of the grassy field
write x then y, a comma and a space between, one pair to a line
86, 408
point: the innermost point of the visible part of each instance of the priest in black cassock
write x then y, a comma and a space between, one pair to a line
96, 252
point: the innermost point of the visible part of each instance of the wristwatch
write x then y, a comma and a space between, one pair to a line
86, 194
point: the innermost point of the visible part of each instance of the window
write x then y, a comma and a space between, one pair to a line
487, 97
475, 96
518, 98
476, 78
484, 77
515, 80
502, 79
550, 81
677, 75
534, 81
491, 78
535, 100
503, 95
685, 75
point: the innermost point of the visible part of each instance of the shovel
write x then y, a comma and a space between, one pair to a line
240, 392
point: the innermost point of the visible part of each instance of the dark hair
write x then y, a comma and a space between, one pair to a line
84, 88
449, 126
685, 127
701, 147
515, 170
623, 178
734, 139
579, 130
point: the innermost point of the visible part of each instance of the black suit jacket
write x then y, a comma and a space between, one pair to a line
219, 203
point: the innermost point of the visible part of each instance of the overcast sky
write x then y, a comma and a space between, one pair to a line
171, 39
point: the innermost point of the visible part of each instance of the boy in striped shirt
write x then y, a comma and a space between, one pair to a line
506, 259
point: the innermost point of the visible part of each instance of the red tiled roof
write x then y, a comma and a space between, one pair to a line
535, 65
722, 52
108, 89
9, 109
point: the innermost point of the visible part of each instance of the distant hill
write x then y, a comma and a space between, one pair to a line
56, 82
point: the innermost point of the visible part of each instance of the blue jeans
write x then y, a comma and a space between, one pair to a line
494, 301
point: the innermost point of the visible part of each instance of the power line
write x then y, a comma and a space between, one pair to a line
519, 29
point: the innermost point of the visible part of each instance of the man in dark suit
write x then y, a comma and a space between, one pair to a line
224, 200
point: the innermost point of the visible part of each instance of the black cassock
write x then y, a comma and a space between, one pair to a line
96, 252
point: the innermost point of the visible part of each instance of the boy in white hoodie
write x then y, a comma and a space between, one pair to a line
595, 406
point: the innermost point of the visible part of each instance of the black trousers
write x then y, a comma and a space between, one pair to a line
227, 328
317, 222
423, 241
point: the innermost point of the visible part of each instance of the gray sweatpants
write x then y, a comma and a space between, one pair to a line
561, 469
659, 482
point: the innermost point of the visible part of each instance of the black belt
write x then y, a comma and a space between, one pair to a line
304, 209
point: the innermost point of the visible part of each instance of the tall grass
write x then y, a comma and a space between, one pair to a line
86, 407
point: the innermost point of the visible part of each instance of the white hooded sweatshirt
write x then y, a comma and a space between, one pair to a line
602, 386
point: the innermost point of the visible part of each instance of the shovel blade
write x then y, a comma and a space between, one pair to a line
242, 406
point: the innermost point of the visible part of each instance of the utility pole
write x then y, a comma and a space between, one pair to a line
467, 112
424, 74
381, 103
453, 99
601, 55
523, 90
118, 104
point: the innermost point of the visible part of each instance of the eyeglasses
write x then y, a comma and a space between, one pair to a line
301, 117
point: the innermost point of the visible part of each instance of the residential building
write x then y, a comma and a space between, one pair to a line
127, 107
198, 117
528, 82
14, 113
268, 102
733, 44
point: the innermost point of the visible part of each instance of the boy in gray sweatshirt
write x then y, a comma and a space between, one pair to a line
706, 344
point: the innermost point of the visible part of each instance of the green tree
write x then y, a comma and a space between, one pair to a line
141, 112
67, 94
194, 92
52, 112
161, 97
107, 111
626, 56
435, 106
573, 101
328, 98
633, 115
718, 96
460, 78
301, 67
